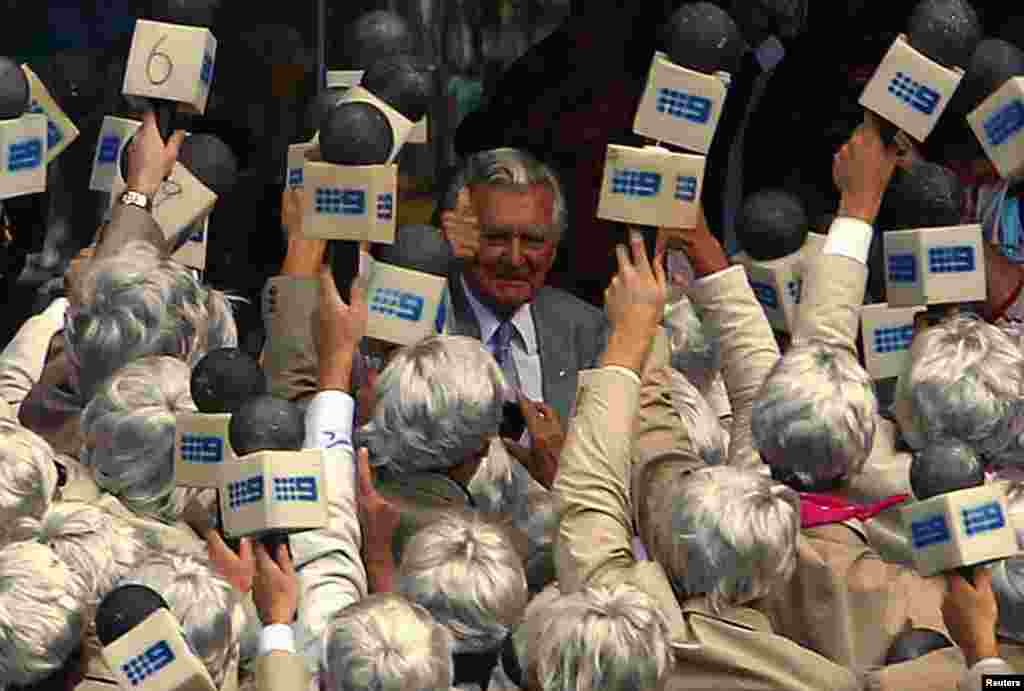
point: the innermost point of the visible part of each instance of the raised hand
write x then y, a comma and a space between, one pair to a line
461, 227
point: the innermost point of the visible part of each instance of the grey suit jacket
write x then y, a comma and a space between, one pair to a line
571, 336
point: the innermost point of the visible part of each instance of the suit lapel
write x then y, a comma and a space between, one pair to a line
464, 322
558, 364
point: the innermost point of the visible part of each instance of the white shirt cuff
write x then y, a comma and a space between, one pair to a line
329, 420
624, 370
277, 637
704, 279
849, 237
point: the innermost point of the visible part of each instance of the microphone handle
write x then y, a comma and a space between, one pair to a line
888, 131
165, 112
344, 259
967, 573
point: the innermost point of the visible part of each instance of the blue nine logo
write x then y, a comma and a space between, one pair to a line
24, 154
1004, 123
392, 302
913, 93
891, 339
200, 448
295, 488
680, 104
110, 147
636, 183
140, 668
53, 134
333, 200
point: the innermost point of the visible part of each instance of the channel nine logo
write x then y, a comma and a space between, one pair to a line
394, 302
53, 134
1004, 123
24, 154
242, 493
202, 448
914, 94
140, 668
636, 183
110, 146
679, 104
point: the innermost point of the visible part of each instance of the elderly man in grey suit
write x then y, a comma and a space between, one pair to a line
505, 218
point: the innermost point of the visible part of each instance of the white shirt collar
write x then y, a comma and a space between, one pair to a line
489, 322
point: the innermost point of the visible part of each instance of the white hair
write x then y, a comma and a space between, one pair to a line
384, 643
694, 346
602, 639
725, 532
129, 429
137, 303
28, 480
42, 613
816, 413
508, 167
469, 577
438, 403
964, 381
704, 430
206, 606
98, 547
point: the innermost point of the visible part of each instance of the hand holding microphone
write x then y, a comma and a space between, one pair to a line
150, 161
275, 585
861, 170
461, 227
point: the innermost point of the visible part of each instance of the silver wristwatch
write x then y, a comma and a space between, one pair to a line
137, 199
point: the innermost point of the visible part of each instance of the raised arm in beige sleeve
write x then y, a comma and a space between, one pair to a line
832, 295
289, 356
749, 350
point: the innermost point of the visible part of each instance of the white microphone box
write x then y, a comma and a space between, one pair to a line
961, 528
344, 79
350, 202
887, 333
910, 90
420, 133
154, 656
998, 123
60, 131
296, 163
778, 283
405, 305
115, 133
934, 266
171, 62
681, 106
651, 186
201, 447
192, 252
401, 126
23, 155
274, 491
181, 202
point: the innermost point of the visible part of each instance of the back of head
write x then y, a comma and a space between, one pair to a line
772, 224
28, 479
945, 466
129, 429
206, 606
419, 247
137, 303
42, 613
722, 532
815, 414
267, 423
225, 379
926, 195
602, 639
469, 577
384, 642
915, 643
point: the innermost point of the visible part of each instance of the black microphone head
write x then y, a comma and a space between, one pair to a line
759, 19
14, 90
947, 31
356, 134
419, 247
123, 609
225, 379
401, 81
187, 12
374, 36
703, 37
211, 161
772, 223
925, 195
266, 423
993, 63
322, 104
915, 643
945, 466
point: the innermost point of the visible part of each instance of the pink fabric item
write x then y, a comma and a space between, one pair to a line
823, 509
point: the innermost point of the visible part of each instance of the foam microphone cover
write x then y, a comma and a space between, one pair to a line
703, 37
925, 195
14, 90
943, 467
211, 161
266, 423
402, 82
225, 379
993, 63
123, 609
322, 104
947, 31
772, 223
374, 36
356, 134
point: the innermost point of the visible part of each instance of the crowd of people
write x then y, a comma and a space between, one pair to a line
545, 495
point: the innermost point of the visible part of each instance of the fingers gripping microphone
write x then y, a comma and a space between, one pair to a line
916, 79
958, 521
23, 136
681, 105
143, 645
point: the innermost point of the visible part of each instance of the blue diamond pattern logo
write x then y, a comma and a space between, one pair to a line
636, 183
902, 268
140, 668
680, 104
25, 154
110, 145
295, 488
913, 93
393, 302
891, 339
243, 492
1004, 123
385, 206
686, 188
945, 260
333, 200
